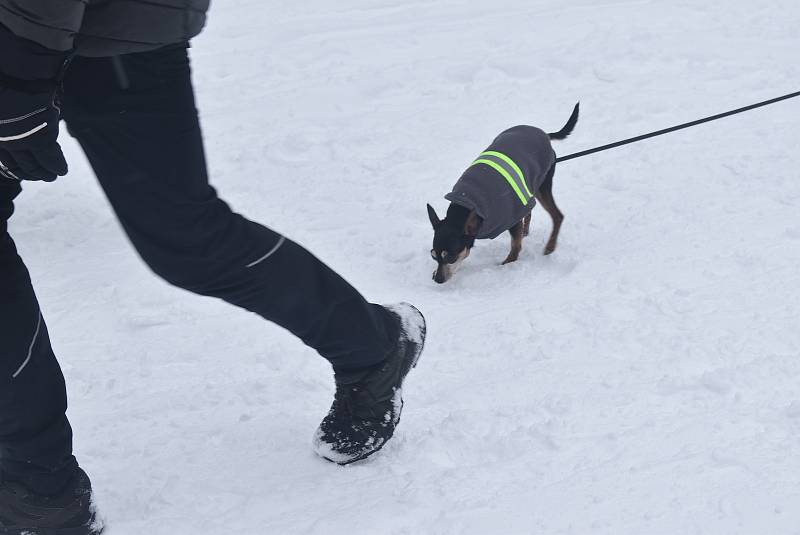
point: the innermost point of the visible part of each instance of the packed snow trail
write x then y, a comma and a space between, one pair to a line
642, 379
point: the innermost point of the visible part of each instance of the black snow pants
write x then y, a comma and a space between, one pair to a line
135, 118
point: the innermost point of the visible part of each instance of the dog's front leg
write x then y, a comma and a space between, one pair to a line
527, 224
516, 242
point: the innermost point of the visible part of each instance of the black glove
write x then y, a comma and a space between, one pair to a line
28, 134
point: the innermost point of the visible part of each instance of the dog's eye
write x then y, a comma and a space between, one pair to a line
433, 254
444, 255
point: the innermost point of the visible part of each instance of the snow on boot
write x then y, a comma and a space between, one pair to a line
68, 513
366, 412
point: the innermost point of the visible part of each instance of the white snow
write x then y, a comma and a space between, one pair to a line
642, 379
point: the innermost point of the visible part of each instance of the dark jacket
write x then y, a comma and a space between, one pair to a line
484, 188
104, 27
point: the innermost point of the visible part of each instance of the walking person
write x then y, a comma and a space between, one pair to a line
118, 73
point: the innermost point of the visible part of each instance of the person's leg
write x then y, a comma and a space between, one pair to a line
137, 123
35, 436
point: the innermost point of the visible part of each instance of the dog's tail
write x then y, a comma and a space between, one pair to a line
570, 126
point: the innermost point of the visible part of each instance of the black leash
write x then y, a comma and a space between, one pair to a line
674, 128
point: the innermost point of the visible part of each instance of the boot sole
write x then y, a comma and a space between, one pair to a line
51, 531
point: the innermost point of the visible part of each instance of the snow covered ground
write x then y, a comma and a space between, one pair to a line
642, 379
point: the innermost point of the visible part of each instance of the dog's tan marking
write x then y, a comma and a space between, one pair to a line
527, 224
516, 242
444, 272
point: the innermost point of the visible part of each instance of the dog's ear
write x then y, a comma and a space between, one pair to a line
472, 224
435, 221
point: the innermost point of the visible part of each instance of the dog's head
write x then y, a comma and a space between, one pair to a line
453, 237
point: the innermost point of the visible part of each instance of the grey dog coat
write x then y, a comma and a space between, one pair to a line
486, 189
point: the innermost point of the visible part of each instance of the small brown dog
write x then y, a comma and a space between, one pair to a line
496, 194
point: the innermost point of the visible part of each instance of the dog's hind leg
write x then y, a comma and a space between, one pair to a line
548, 203
526, 223
516, 243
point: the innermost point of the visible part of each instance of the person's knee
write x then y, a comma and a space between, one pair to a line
210, 253
196, 273
206, 268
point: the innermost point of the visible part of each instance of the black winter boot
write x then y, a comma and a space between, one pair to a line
68, 513
366, 409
